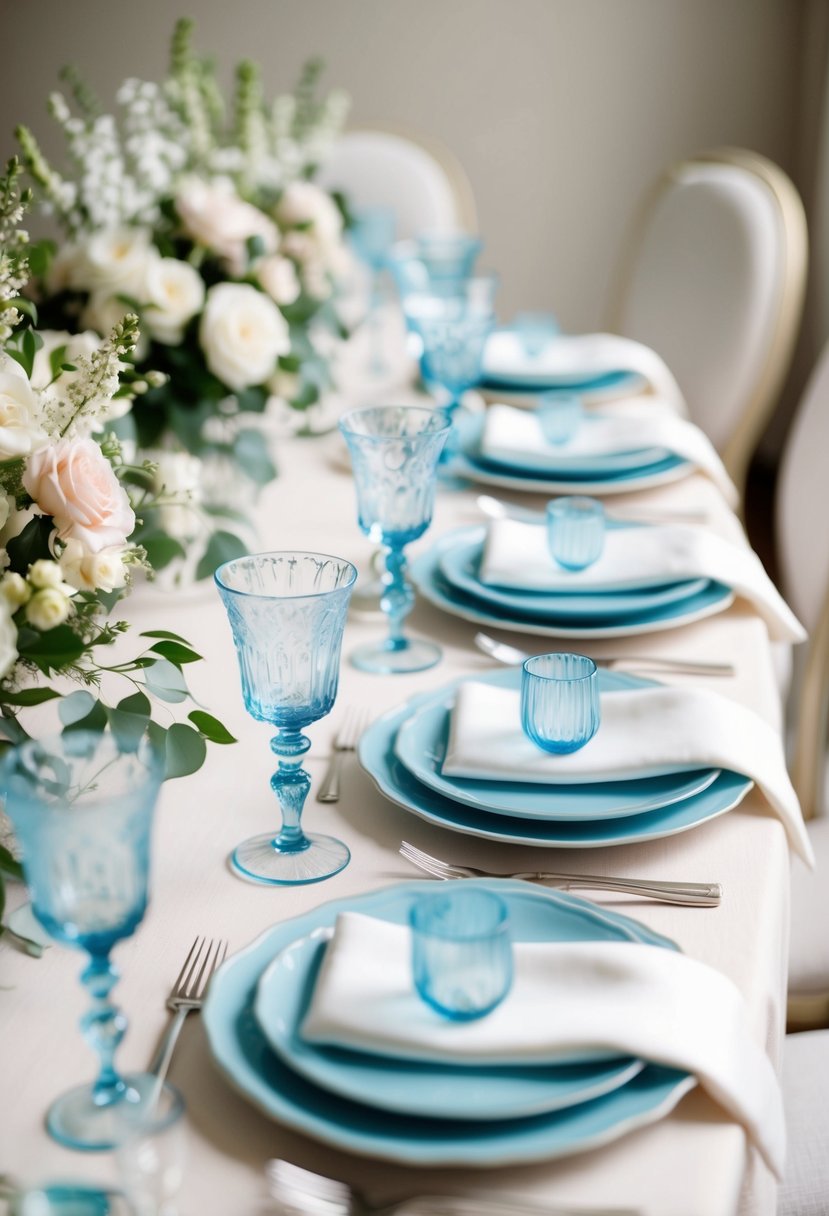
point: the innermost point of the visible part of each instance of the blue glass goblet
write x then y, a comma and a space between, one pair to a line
82, 805
372, 235
431, 261
287, 614
394, 454
560, 701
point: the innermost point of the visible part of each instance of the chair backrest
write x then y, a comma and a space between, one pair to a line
419, 179
713, 279
802, 507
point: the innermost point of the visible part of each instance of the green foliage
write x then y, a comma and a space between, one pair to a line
222, 547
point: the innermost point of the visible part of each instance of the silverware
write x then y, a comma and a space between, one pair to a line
187, 994
345, 740
691, 894
511, 656
300, 1192
496, 508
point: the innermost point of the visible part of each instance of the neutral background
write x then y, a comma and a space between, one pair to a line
561, 111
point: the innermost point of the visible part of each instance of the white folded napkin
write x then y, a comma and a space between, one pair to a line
511, 434
568, 1000
590, 355
657, 729
515, 555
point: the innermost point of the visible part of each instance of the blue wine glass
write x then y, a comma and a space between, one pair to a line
82, 806
287, 614
394, 454
432, 260
372, 235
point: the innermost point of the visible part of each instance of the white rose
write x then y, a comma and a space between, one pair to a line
279, 278
8, 640
20, 430
117, 260
242, 334
304, 203
67, 270
45, 573
86, 571
179, 475
7, 505
214, 215
174, 292
14, 590
47, 608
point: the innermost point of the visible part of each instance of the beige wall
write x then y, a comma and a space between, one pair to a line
561, 111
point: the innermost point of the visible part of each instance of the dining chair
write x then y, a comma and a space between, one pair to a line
805, 1187
418, 178
802, 500
713, 278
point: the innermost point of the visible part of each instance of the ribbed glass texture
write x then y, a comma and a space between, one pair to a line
394, 454
560, 701
559, 415
575, 531
461, 951
453, 326
287, 612
535, 330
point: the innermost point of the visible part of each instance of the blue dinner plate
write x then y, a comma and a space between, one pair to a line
460, 565
434, 586
407, 1087
421, 743
246, 1059
378, 758
620, 381
506, 364
552, 461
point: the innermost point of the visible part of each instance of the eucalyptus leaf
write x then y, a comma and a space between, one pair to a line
251, 453
95, 720
164, 633
162, 549
128, 728
222, 547
165, 681
185, 751
175, 652
211, 727
30, 545
28, 696
52, 650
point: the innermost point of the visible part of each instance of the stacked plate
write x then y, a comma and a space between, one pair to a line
424, 1113
448, 575
403, 752
508, 366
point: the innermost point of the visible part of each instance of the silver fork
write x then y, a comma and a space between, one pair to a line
690, 894
301, 1192
496, 508
511, 656
187, 994
345, 740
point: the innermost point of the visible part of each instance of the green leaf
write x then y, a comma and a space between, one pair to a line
27, 307
164, 633
95, 719
127, 728
252, 400
40, 255
9, 864
75, 707
176, 653
211, 727
185, 751
29, 696
222, 547
50, 651
251, 452
161, 549
135, 704
30, 545
165, 681
56, 361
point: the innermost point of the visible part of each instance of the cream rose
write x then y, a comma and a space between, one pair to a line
242, 334
279, 278
304, 203
85, 571
14, 590
174, 294
20, 430
116, 261
214, 215
48, 608
8, 640
74, 483
45, 573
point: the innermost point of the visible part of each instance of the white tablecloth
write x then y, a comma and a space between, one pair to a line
693, 1163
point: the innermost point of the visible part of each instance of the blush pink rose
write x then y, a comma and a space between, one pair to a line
74, 483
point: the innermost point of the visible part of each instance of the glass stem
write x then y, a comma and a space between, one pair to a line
291, 784
398, 598
103, 1027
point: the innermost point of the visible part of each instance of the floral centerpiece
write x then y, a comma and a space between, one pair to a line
68, 500
202, 219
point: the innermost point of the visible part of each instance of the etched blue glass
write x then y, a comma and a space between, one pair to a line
82, 808
432, 260
559, 415
394, 454
372, 236
560, 701
287, 614
461, 951
575, 531
535, 330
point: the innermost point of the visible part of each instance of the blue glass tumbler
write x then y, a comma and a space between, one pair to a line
461, 951
394, 454
560, 701
82, 807
575, 531
535, 331
287, 613
559, 415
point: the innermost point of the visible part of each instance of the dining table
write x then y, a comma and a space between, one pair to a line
693, 1162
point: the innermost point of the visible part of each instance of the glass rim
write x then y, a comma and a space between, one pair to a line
575, 502
560, 654
440, 414
421, 906
296, 553
12, 778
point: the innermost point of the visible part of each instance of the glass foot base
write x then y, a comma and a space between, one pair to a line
257, 859
75, 1121
416, 655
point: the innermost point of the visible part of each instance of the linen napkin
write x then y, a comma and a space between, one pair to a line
515, 435
568, 1000
515, 555
592, 355
659, 729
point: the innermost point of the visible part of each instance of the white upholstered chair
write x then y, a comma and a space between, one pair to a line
805, 1189
713, 279
418, 178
